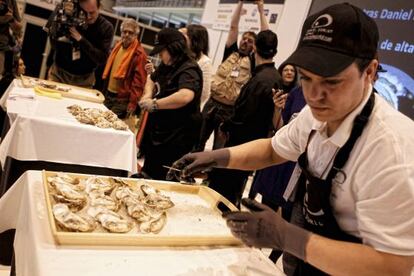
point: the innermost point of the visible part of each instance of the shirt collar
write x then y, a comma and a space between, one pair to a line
341, 135
263, 66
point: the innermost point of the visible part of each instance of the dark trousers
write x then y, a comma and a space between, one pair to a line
117, 106
163, 155
214, 113
229, 183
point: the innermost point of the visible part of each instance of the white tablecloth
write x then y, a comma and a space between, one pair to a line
23, 207
42, 129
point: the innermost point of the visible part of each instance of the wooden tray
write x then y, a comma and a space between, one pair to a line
214, 200
75, 92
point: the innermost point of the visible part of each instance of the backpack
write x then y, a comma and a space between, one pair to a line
231, 75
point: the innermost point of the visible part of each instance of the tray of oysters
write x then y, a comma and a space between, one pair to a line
103, 210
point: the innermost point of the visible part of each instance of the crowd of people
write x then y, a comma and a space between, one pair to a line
333, 155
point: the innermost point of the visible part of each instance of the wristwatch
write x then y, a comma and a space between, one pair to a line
154, 105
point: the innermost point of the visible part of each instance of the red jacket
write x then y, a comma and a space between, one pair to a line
134, 81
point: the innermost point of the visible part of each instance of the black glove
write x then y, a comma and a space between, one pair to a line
263, 227
192, 163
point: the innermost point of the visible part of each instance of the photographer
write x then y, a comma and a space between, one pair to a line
81, 50
10, 34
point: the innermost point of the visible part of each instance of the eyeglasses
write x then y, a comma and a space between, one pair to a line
125, 32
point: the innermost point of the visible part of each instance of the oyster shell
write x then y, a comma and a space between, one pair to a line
119, 125
94, 113
74, 109
73, 204
68, 191
158, 201
84, 118
147, 189
102, 123
102, 184
73, 183
100, 199
122, 193
69, 179
109, 116
71, 221
111, 221
153, 226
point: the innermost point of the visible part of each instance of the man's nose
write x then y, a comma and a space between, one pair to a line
316, 92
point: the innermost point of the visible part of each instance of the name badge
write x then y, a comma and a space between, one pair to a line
234, 73
76, 54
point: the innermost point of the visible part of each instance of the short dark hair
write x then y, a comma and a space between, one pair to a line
98, 2
253, 34
362, 64
266, 44
198, 37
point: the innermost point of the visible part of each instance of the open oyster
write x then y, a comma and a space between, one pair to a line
100, 199
147, 189
124, 192
120, 125
68, 191
71, 221
102, 184
110, 116
69, 179
154, 225
73, 204
102, 123
64, 179
158, 201
85, 118
111, 221
74, 109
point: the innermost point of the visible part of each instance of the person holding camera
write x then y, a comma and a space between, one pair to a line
77, 54
10, 36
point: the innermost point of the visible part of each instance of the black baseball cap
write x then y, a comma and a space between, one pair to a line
333, 38
164, 37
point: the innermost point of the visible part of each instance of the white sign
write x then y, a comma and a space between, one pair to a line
250, 18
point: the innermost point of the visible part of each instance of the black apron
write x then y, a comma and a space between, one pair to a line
314, 193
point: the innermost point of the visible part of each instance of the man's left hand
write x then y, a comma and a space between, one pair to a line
263, 227
148, 105
75, 34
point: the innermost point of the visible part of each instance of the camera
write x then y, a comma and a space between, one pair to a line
67, 14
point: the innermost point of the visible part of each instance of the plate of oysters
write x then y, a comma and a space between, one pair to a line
103, 210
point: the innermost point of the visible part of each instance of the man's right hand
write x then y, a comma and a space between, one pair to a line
192, 163
149, 68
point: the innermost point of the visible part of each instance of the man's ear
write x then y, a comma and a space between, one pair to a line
371, 70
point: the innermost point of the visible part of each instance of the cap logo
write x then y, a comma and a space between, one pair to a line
320, 29
322, 21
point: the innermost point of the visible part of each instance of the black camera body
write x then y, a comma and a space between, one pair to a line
67, 14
